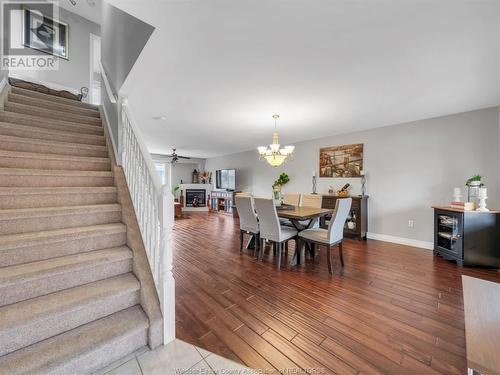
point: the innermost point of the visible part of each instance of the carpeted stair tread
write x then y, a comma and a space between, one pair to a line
37, 197
23, 220
31, 160
45, 123
49, 113
31, 280
23, 213
36, 246
12, 177
49, 104
26, 131
28, 322
55, 190
22, 144
20, 240
53, 98
84, 349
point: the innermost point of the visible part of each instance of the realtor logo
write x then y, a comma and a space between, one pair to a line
32, 37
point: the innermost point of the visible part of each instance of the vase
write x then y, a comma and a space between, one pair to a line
277, 195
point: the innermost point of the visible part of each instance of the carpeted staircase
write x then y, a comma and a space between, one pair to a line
69, 301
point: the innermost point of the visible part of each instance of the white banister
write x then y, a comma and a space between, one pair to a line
107, 85
153, 204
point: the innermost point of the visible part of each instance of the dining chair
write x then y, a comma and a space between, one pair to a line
248, 220
270, 228
291, 199
311, 200
330, 237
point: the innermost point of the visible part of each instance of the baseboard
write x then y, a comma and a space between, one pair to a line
50, 85
401, 240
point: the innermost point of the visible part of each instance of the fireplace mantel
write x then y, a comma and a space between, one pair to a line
206, 187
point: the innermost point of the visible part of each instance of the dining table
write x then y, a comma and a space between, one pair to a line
302, 218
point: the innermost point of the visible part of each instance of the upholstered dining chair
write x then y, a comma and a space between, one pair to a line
291, 198
311, 200
270, 228
330, 237
248, 220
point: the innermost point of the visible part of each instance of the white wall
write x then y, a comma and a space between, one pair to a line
409, 168
75, 72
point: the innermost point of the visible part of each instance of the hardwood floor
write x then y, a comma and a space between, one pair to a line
394, 310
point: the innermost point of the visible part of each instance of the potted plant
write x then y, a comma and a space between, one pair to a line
277, 185
175, 190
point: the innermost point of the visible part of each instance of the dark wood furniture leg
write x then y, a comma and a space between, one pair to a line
341, 254
279, 248
329, 258
241, 241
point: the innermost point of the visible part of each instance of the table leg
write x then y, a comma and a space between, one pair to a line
251, 242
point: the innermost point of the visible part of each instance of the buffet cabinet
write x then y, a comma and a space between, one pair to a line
470, 238
357, 222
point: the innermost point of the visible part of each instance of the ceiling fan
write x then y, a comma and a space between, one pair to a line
175, 158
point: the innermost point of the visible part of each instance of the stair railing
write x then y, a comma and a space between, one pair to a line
154, 208
153, 204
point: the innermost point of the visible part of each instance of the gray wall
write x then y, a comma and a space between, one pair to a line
123, 38
75, 72
409, 168
184, 172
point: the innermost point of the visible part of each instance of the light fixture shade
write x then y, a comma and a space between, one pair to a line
275, 160
262, 150
275, 147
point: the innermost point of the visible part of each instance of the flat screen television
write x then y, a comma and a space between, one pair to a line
225, 179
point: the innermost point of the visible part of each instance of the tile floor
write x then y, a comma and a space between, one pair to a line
176, 358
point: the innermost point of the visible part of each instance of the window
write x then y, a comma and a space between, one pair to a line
160, 168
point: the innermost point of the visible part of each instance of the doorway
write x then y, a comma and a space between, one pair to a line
94, 96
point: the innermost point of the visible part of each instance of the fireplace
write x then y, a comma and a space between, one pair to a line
196, 198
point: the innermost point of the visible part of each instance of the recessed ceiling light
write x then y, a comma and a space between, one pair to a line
159, 117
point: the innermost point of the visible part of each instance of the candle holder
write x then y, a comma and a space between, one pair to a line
314, 184
482, 196
363, 187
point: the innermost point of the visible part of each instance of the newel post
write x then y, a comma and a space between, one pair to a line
168, 282
121, 108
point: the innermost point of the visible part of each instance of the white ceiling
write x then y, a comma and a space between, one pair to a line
218, 70
84, 9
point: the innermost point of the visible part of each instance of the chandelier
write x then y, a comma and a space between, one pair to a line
273, 154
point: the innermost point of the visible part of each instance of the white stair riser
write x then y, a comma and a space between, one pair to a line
34, 331
35, 224
27, 289
49, 250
